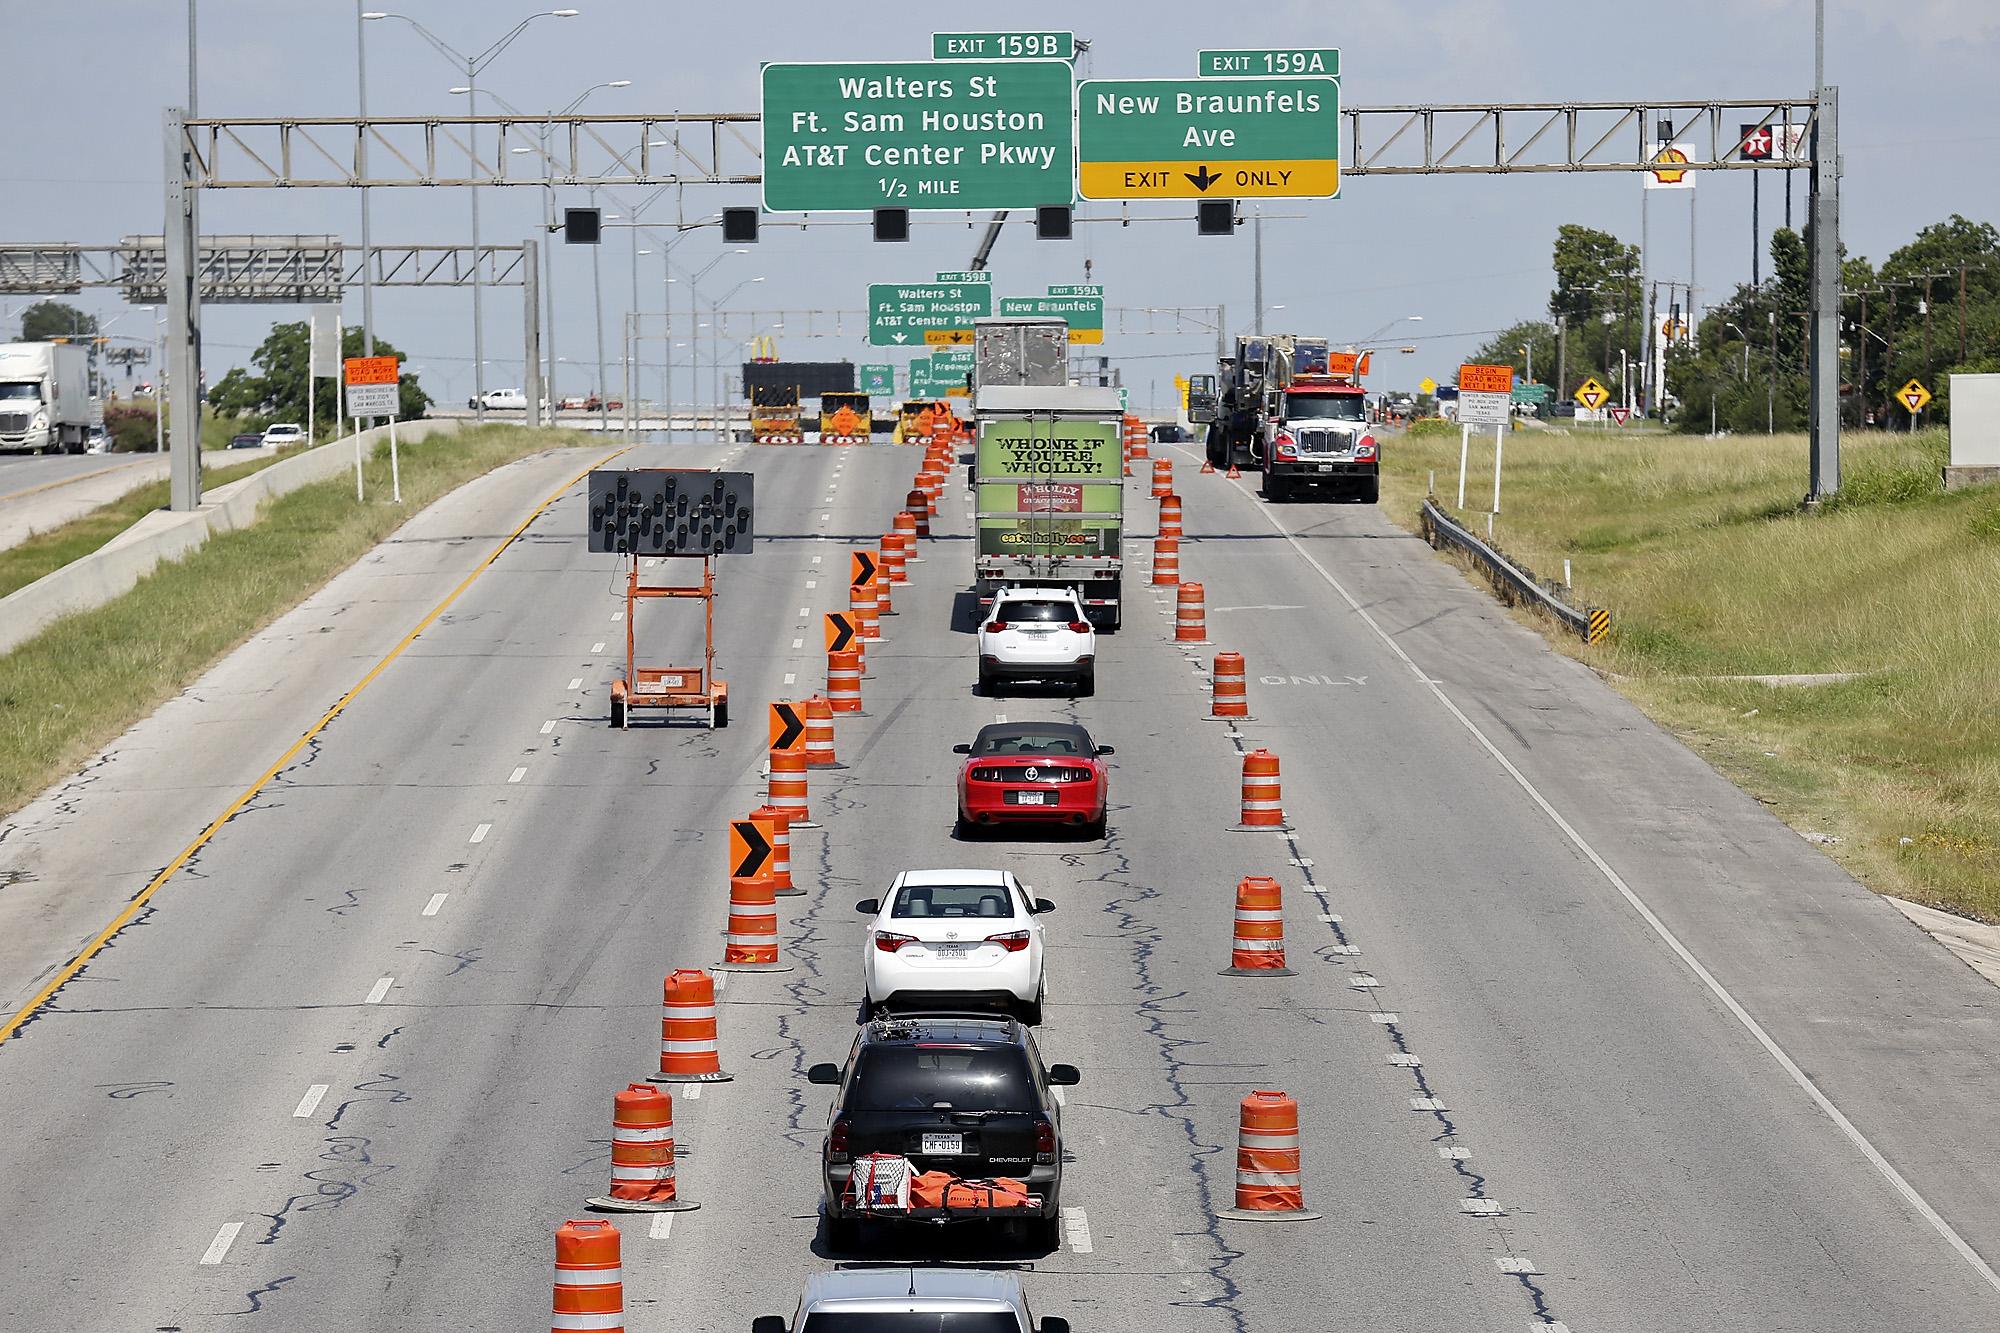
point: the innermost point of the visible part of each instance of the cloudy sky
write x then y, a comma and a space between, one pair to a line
92, 77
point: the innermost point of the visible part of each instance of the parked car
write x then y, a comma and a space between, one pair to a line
951, 938
247, 440
966, 1096
281, 433
912, 1300
1038, 633
1040, 772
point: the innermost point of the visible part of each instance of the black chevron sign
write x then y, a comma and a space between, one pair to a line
839, 631
863, 570
787, 726
748, 848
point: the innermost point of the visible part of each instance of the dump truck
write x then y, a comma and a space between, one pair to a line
1295, 411
1049, 493
45, 402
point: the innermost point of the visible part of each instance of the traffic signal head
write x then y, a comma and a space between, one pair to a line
892, 224
581, 226
739, 226
1215, 217
1052, 224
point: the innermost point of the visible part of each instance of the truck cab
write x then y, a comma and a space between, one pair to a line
45, 402
1322, 439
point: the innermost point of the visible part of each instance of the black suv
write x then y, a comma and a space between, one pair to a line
965, 1094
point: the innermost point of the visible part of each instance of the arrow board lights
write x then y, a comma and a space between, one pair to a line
1223, 138
666, 511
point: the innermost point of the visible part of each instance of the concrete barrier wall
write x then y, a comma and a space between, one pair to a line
115, 569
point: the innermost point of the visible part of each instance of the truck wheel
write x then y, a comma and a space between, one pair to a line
1371, 490
1276, 488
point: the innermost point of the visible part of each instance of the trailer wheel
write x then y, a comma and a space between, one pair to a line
617, 713
722, 714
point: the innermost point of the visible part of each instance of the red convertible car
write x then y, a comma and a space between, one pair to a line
1032, 772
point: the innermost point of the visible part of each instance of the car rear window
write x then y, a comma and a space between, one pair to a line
918, 1077
1042, 612
950, 900
1033, 743
912, 1321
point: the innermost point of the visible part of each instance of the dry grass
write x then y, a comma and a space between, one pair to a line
89, 677
1699, 549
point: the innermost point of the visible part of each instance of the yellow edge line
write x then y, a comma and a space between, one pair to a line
119, 922
65, 481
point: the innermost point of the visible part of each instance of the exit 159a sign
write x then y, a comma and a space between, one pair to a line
1222, 138
846, 138
1288, 61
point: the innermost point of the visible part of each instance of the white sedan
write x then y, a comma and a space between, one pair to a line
952, 939
1037, 634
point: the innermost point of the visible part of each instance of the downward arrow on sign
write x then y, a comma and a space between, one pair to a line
1204, 180
902, 337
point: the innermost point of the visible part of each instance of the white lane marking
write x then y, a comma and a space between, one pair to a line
812, 583
218, 1247
798, 643
791, 678
662, 1226
576, 682
310, 1102
1404, 1059
1517, 1265
1784, 1061
692, 1092
379, 990
518, 774
1385, 1018
721, 982
1349, 949
999, 717
805, 610
617, 615
815, 560
1482, 1207
479, 834
1453, 1153
1428, 1104
1302, 862
1076, 1226
1329, 917
596, 647
548, 726
1362, 981
824, 517
436, 902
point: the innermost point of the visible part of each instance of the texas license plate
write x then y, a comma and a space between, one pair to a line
951, 950
1033, 797
1326, 467
943, 1145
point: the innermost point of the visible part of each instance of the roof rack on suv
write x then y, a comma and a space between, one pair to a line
901, 1026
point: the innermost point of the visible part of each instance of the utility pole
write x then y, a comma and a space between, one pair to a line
361, 164
1824, 418
1961, 314
1257, 249
1562, 353
531, 333
1771, 391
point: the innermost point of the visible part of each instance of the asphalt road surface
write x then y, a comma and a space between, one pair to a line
1580, 1035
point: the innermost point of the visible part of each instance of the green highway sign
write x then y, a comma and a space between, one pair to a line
900, 314
848, 138
876, 380
935, 376
1003, 46
1083, 311
1286, 61
967, 276
1234, 138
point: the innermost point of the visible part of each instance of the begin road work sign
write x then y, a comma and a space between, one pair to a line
971, 134
372, 386
1225, 138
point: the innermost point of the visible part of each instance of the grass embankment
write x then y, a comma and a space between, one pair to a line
1700, 551
45, 552
89, 677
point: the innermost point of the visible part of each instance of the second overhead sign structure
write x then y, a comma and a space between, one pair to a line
1220, 138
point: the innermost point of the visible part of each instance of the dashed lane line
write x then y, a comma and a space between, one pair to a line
479, 834
548, 726
436, 904
310, 1102
380, 990
219, 1247
517, 774
138, 902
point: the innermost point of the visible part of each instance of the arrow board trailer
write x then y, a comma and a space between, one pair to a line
1049, 507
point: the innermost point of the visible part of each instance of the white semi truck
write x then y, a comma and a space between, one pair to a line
45, 403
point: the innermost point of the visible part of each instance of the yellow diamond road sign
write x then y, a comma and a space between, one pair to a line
1913, 396
1427, 385
1592, 395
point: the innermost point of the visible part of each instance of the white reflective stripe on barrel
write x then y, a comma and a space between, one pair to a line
1267, 1178
1260, 914
612, 1320
665, 1171
1263, 1141
687, 1013
589, 1277
687, 1047
1243, 945
650, 1134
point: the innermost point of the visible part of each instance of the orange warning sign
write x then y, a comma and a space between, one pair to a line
750, 845
371, 370
1485, 379
788, 727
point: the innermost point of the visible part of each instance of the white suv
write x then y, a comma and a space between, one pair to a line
912, 1300
284, 433
1037, 634
948, 939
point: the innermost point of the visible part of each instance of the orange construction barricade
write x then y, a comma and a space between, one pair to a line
780, 833
1263, 804
642, 1154
1190, 620
1268, 1183
819, 733
843, 681
751, 944
590, 1286
1259, 947
1170, 514
867, 609
918, 508
1229, 697
788, 785
1163, 477
688, 1050
1166, 562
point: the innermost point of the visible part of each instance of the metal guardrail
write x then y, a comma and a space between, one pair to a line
1511, 581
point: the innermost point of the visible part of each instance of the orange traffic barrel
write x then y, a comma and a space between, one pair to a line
590, 1285
776, 825
1229, 696
1163, 477
751, 942
1259, 947
1190, 621
788, 785
1268, 1181
819, 733
867, 609
642, 1154
1170, 511
884, 596
905, 523
1263, 805
1166, 561
917, 508
1135, 436
688, 1049
894, 565
843, 681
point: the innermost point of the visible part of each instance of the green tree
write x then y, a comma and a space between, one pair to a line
277, 387
1596, 298
54, 319
1508, 348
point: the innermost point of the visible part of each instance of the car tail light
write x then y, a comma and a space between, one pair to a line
989, 659
888, 942
1045, 1142
1013, 941
836, 1141
1085, 659
997, 625
1080, 626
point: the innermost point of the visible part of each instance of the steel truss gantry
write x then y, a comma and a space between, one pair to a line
279, 270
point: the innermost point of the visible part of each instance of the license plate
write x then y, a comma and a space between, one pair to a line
951, 950
1033, 797
1326, 467
943, 1145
